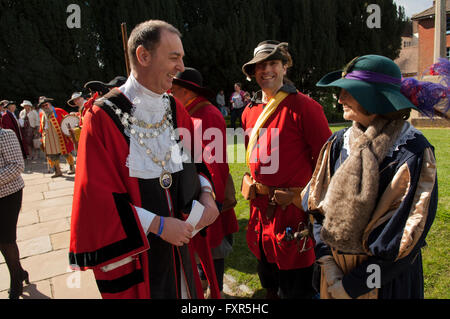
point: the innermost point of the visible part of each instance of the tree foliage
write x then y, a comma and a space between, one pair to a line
40, 55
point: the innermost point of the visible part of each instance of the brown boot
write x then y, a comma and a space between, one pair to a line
58, 172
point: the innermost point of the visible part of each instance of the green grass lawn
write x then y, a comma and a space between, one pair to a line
241, 263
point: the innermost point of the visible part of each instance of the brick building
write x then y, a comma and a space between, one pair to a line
425, 29
423, 26
408, 60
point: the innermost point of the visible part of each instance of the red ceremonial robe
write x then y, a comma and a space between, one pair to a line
105, 227
8, 121
301, 130
87, 105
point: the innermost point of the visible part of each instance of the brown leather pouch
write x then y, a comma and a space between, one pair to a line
283, 197
248, 187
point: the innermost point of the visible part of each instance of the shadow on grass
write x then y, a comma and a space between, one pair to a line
241, 259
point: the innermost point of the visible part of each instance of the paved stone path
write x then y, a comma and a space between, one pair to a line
43, 234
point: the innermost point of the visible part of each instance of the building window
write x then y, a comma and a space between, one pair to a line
448, 53
448, 25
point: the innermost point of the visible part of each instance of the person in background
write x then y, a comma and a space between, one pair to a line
188, 88
55, 143
220, 100
78, 102
2, 108
237, 105
29, 122
10, 121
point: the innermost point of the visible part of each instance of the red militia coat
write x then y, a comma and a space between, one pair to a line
301, 130
210, 117
105, 227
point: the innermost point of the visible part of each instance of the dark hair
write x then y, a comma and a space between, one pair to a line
148, 34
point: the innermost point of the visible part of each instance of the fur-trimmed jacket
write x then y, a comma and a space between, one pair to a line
405, 208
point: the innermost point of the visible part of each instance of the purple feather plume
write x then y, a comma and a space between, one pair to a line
426, 95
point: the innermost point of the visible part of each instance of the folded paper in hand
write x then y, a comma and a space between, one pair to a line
195, 216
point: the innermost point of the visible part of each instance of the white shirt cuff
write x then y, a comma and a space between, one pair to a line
204, 182
145, 218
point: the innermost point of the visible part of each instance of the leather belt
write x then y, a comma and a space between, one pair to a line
282, 197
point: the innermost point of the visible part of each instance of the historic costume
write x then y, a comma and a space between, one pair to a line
207, 116
395, 231
122, 135
55, 143
287, 131
373, 193
299, 121
210, 116
77, 101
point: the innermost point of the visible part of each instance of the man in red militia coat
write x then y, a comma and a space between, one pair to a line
188, 88
288, 130
131, 188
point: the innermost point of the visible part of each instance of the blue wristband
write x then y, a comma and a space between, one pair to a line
161, 226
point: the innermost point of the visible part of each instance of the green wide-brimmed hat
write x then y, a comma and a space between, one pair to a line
374, 81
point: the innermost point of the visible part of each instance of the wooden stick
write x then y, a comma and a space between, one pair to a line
125, 46
72, 137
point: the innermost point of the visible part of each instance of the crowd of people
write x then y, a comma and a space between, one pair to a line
151, 226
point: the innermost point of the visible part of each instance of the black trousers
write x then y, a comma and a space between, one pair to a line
219, 266
236, 114
9, 213
291, 284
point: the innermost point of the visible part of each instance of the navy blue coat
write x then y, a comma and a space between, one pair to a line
394, 242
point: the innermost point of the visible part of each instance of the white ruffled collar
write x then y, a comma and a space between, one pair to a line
149, 107
408, 133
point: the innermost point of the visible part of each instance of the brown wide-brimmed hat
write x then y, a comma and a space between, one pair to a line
192, 79
43, 99
266, 51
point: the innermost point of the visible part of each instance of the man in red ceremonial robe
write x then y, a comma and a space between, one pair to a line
188, 88
132, 192
288, 130
55, 143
